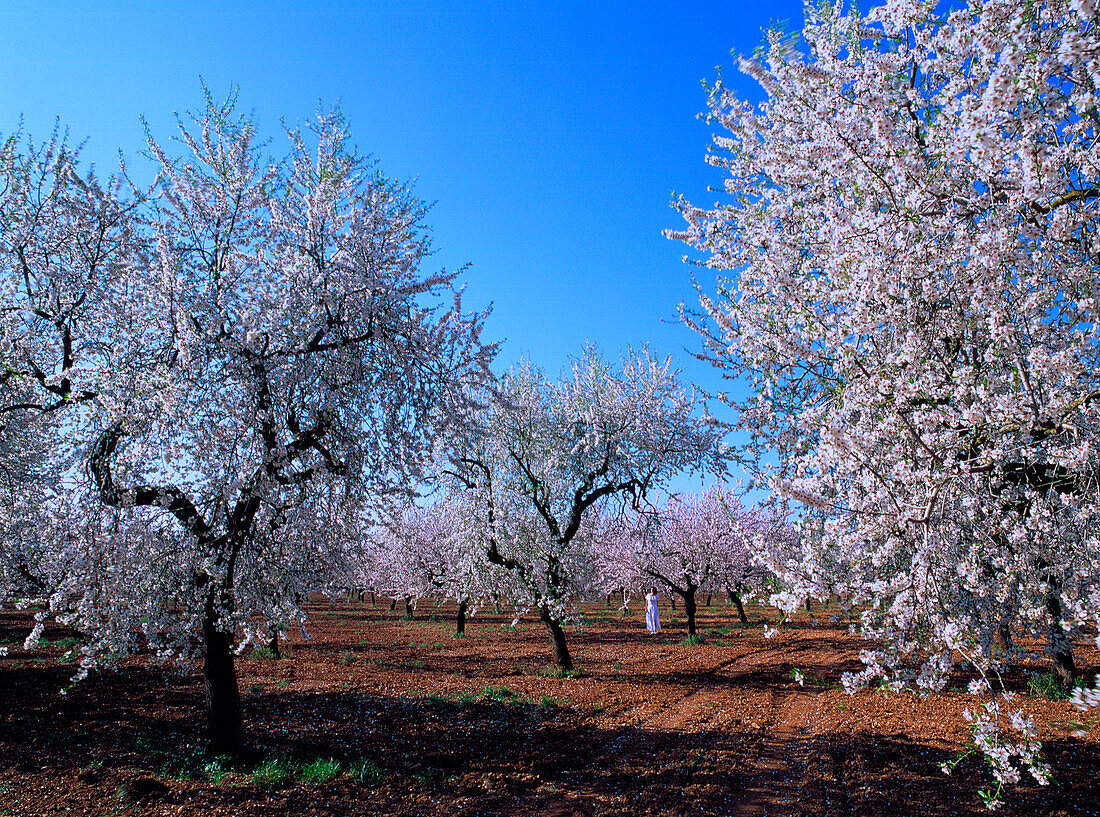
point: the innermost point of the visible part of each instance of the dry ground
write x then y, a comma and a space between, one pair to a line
423, 723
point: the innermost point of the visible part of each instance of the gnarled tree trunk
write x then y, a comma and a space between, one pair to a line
740, 609
557, 640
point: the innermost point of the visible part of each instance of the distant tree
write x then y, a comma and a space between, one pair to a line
616, 542
704, 542
408, 560
546, 454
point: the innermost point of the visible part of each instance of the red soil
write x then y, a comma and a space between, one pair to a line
480, 726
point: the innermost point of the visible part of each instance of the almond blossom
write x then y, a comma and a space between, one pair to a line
253, 369
908, 271
544, 456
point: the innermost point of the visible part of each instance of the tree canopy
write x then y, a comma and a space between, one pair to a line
908, 256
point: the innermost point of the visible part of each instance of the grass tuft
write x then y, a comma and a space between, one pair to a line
320, 771
497, 693
274, 773
1046, 685
366, 772
217, 768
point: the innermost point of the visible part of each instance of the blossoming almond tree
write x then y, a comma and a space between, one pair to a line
439, 549
910, 254
698, 542
546, 453
275, 363
615, 545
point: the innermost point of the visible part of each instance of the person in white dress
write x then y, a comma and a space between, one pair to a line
652, 614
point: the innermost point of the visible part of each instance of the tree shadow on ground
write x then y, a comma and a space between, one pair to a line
479, 755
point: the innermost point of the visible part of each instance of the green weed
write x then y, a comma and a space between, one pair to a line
59, 643
1046, 685
216, 769
274, 773
497, 693
319, 772
366, 772
428, 776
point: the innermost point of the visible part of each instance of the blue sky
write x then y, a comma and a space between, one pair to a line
551, 136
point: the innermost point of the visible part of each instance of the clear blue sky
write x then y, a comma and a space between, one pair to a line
551, 136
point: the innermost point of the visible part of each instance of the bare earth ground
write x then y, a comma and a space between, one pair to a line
424, 723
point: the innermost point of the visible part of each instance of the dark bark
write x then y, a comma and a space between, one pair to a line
709, 595
689, 608
408, 607
460, 620
373, 603
672, 602
1059, 647
393, 604
557, 640
736, 599
273, 645
807, 604
608, 599
224, 724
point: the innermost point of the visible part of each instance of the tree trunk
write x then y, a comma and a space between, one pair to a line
408, 607
460, 621
224, 723
689, 609
1059, 647
1003, 639
393, 604
557, 640
672, 600
608, 599
273, 645
372, 602
736, 599
807, 604
709, 598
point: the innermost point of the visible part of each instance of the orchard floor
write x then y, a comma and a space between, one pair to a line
424, 723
